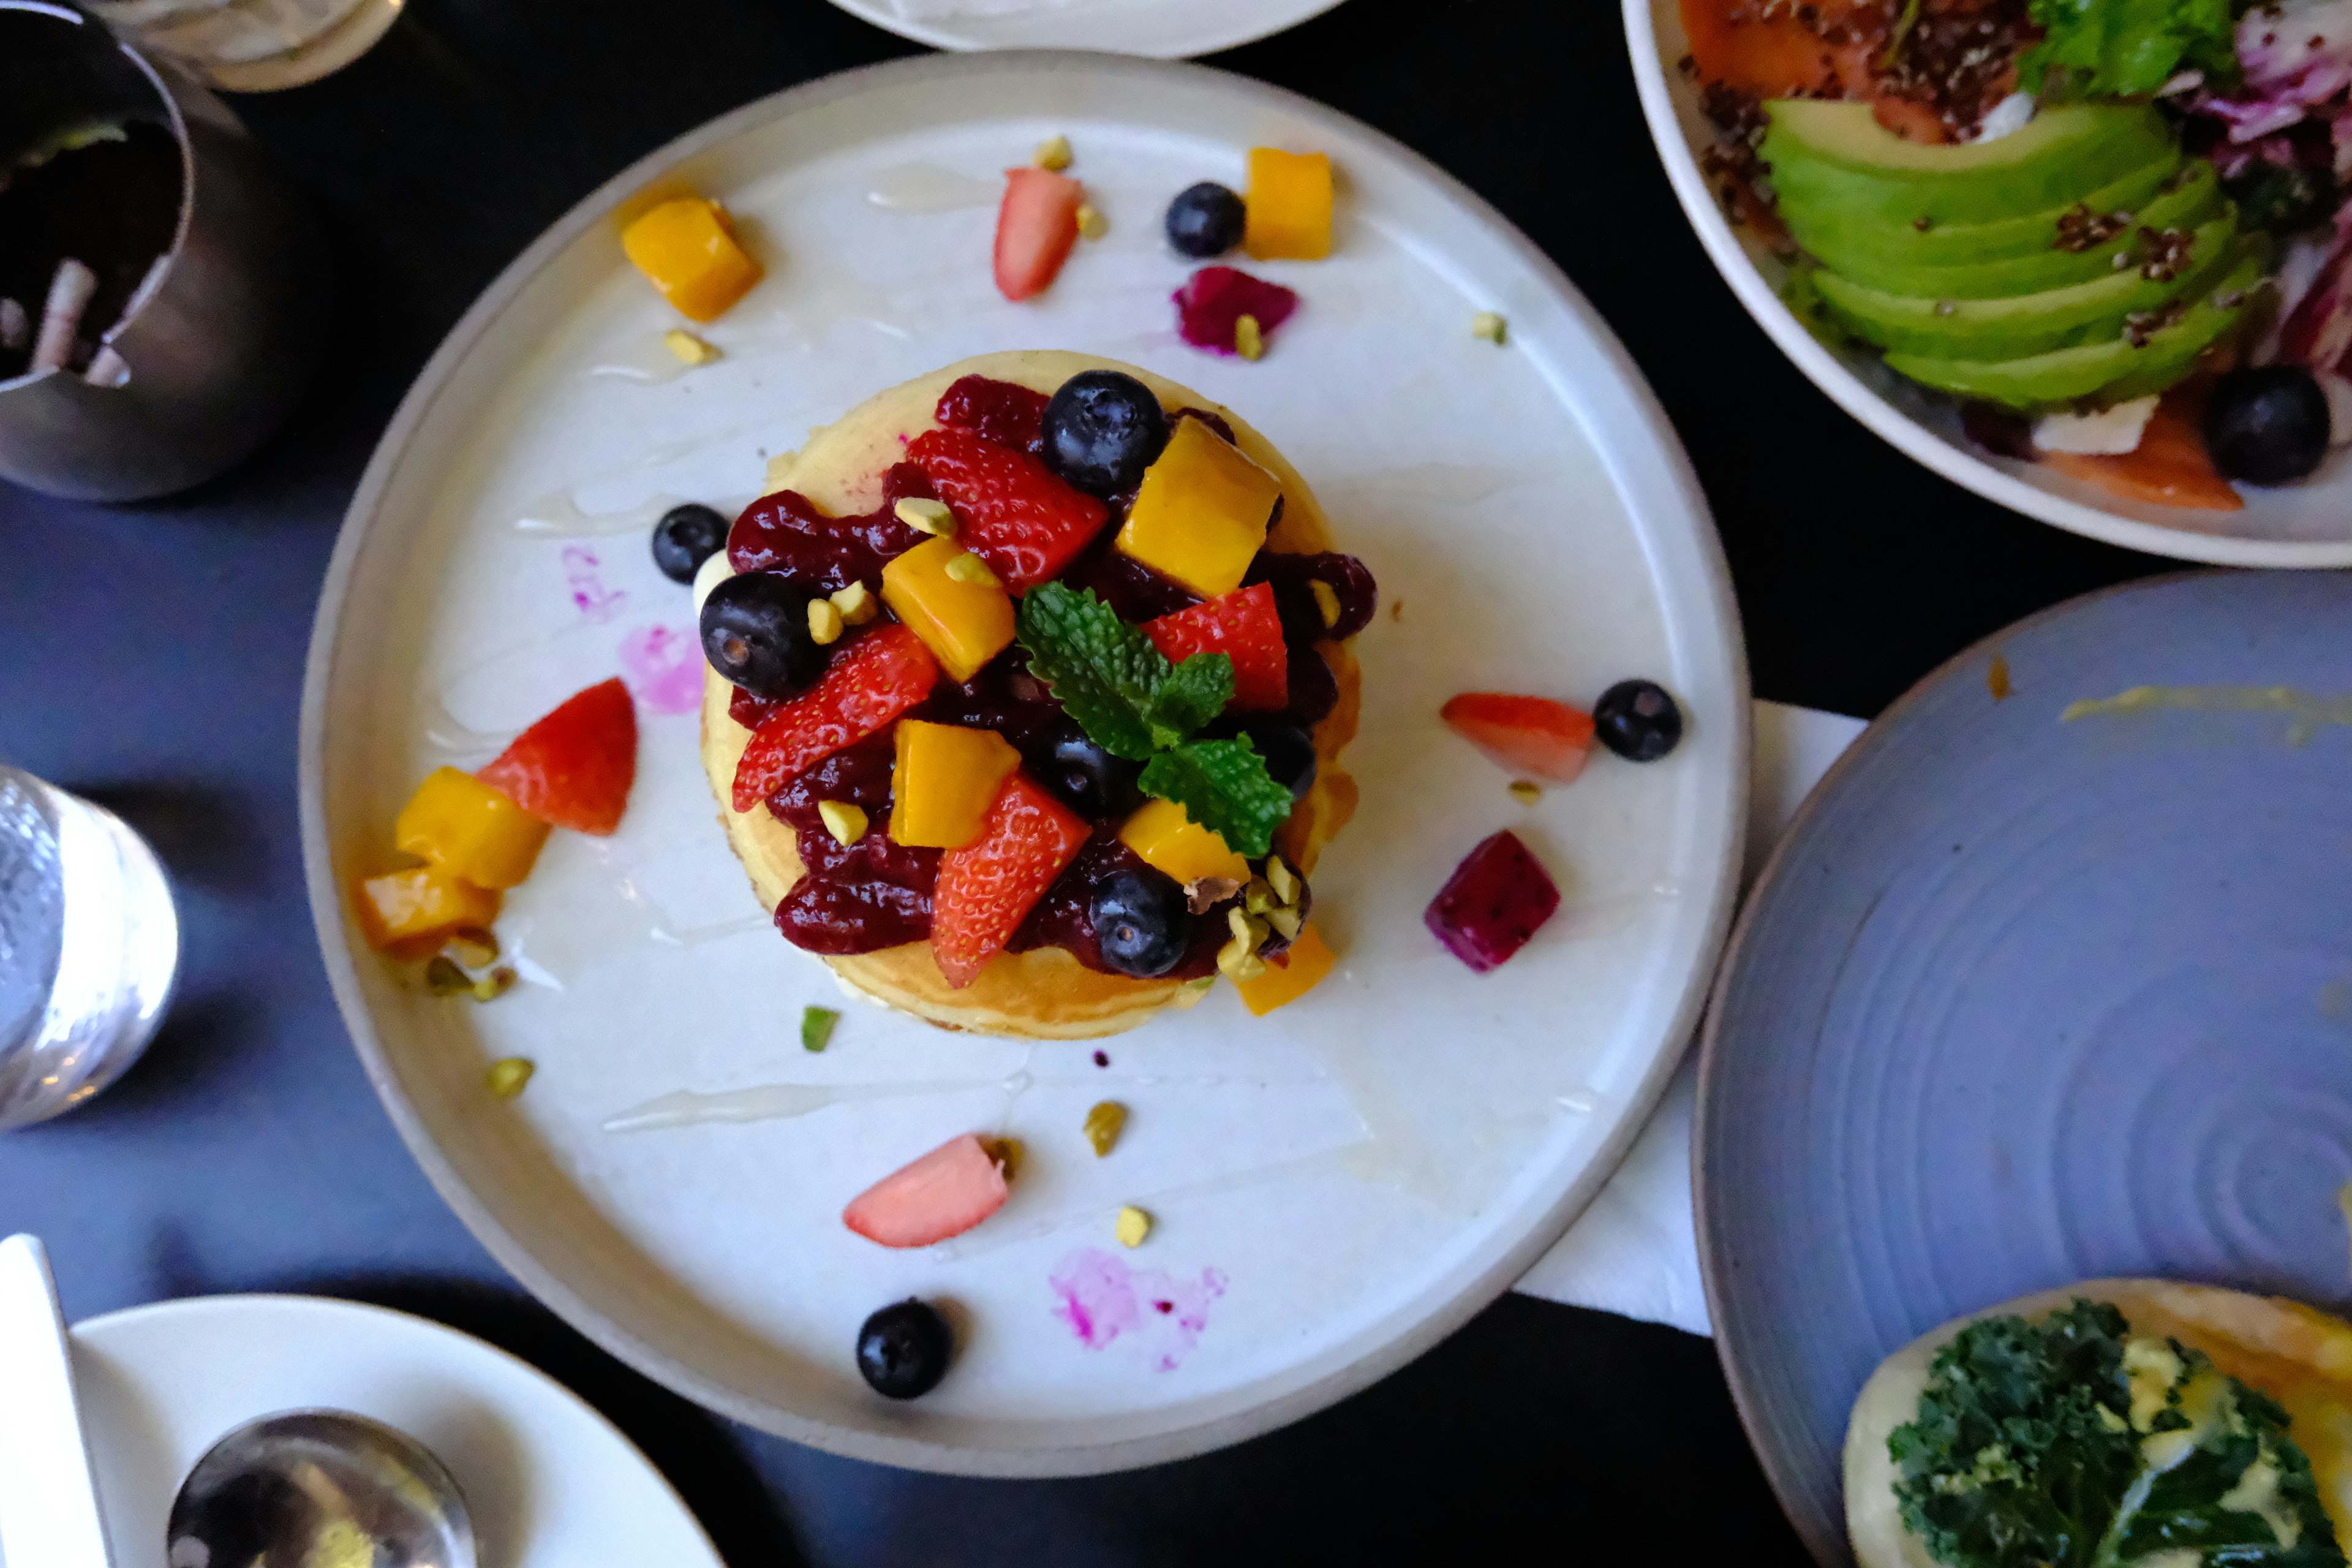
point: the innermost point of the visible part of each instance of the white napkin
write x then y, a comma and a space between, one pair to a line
1634, 1251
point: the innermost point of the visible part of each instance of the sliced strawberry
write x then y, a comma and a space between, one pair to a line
944, 1193
877, 677
1001, 411
1034, 229
575, 767
1242, 626
1531, 736
988, 887
1017, 514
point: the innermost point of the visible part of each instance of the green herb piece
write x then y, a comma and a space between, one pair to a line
816, 1028
2127, 48
2027, 1450
1104, 672
1223, 786
1195, 693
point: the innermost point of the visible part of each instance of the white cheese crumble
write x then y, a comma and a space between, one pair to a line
2108, 433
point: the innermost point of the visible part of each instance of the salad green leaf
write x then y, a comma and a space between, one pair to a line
2127, 48
1223, 786
2068, 1444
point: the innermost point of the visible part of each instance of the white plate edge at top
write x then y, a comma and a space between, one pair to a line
1172, 39
1829, 373
1675, 474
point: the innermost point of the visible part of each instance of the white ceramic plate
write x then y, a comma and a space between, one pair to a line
1337, 1186
549, 1483
2308, 524
1164, 29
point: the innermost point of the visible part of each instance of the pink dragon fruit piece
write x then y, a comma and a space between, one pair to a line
1214, 299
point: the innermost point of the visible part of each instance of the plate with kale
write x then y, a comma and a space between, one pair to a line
2089, 258
2049, 983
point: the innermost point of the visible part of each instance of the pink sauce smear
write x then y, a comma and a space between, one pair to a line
595, 600
1102, 1296
664, 667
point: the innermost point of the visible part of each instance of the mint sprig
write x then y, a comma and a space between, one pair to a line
1123, 692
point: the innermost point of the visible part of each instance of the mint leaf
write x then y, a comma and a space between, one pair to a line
1224, 787
1103, 671
1195, 692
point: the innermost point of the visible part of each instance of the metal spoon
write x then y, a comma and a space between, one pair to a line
319, 1489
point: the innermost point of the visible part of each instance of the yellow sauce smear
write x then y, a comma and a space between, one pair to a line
2307, 711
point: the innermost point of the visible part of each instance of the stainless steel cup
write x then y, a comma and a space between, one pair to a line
217, 344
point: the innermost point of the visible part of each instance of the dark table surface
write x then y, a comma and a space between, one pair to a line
151, 657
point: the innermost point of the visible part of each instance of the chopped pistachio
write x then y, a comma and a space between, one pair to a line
1133, 1225
1526, 791
1205, 893
1007, 1153
507, 1078
1282, 879
443, 978
970, 568
927, 516
816, 1028
824, 622
1239, 962
1286, 923
857, 604
846, 822
1245, 928
1489, 325
1104, 1124
1327, 601
687, 347
1258, 896
1091, 223
472, 947
1248, 341
493, 986
1052, 153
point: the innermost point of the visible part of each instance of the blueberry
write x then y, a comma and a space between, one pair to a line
755, 632
1102, 429
1637, 719
1098, 785
685, 538
1288, 751
1205, 221
904, 1349
2267, 424
1142, 922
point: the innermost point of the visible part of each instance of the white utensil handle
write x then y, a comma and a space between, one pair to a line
49, 1498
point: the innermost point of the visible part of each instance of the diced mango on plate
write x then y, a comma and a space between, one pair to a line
1173, 843
1288, 205
1201, 515
473, 831
687, 247
945, 779
407, 908
965, 618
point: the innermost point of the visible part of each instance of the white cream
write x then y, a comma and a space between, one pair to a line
2107, 433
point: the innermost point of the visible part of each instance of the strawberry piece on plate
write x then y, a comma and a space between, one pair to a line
944, 1193
1531, 736
1034, 229
575, 767
987, 887
1244, 626
1017, 514
878, 677
1497, 899
999, 411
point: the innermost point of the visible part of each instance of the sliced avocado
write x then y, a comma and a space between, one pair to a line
2115, 371
2190, 204
2024, 323
1833, 156
1959, 244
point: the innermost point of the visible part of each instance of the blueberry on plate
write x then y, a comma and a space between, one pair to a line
1205, 220
2267, 424
1637, 719
904, 1349
1288, 751
1096, 784
1142, 922
755, 632
1101, 431
685, 538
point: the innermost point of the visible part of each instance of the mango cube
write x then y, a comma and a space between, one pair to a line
1173, 843
407, 908
1201, 515
964, 624
945, 780
471, 830
687, 247
1289, 205
1289, 976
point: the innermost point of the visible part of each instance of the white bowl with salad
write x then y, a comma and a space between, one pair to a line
2090, 259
